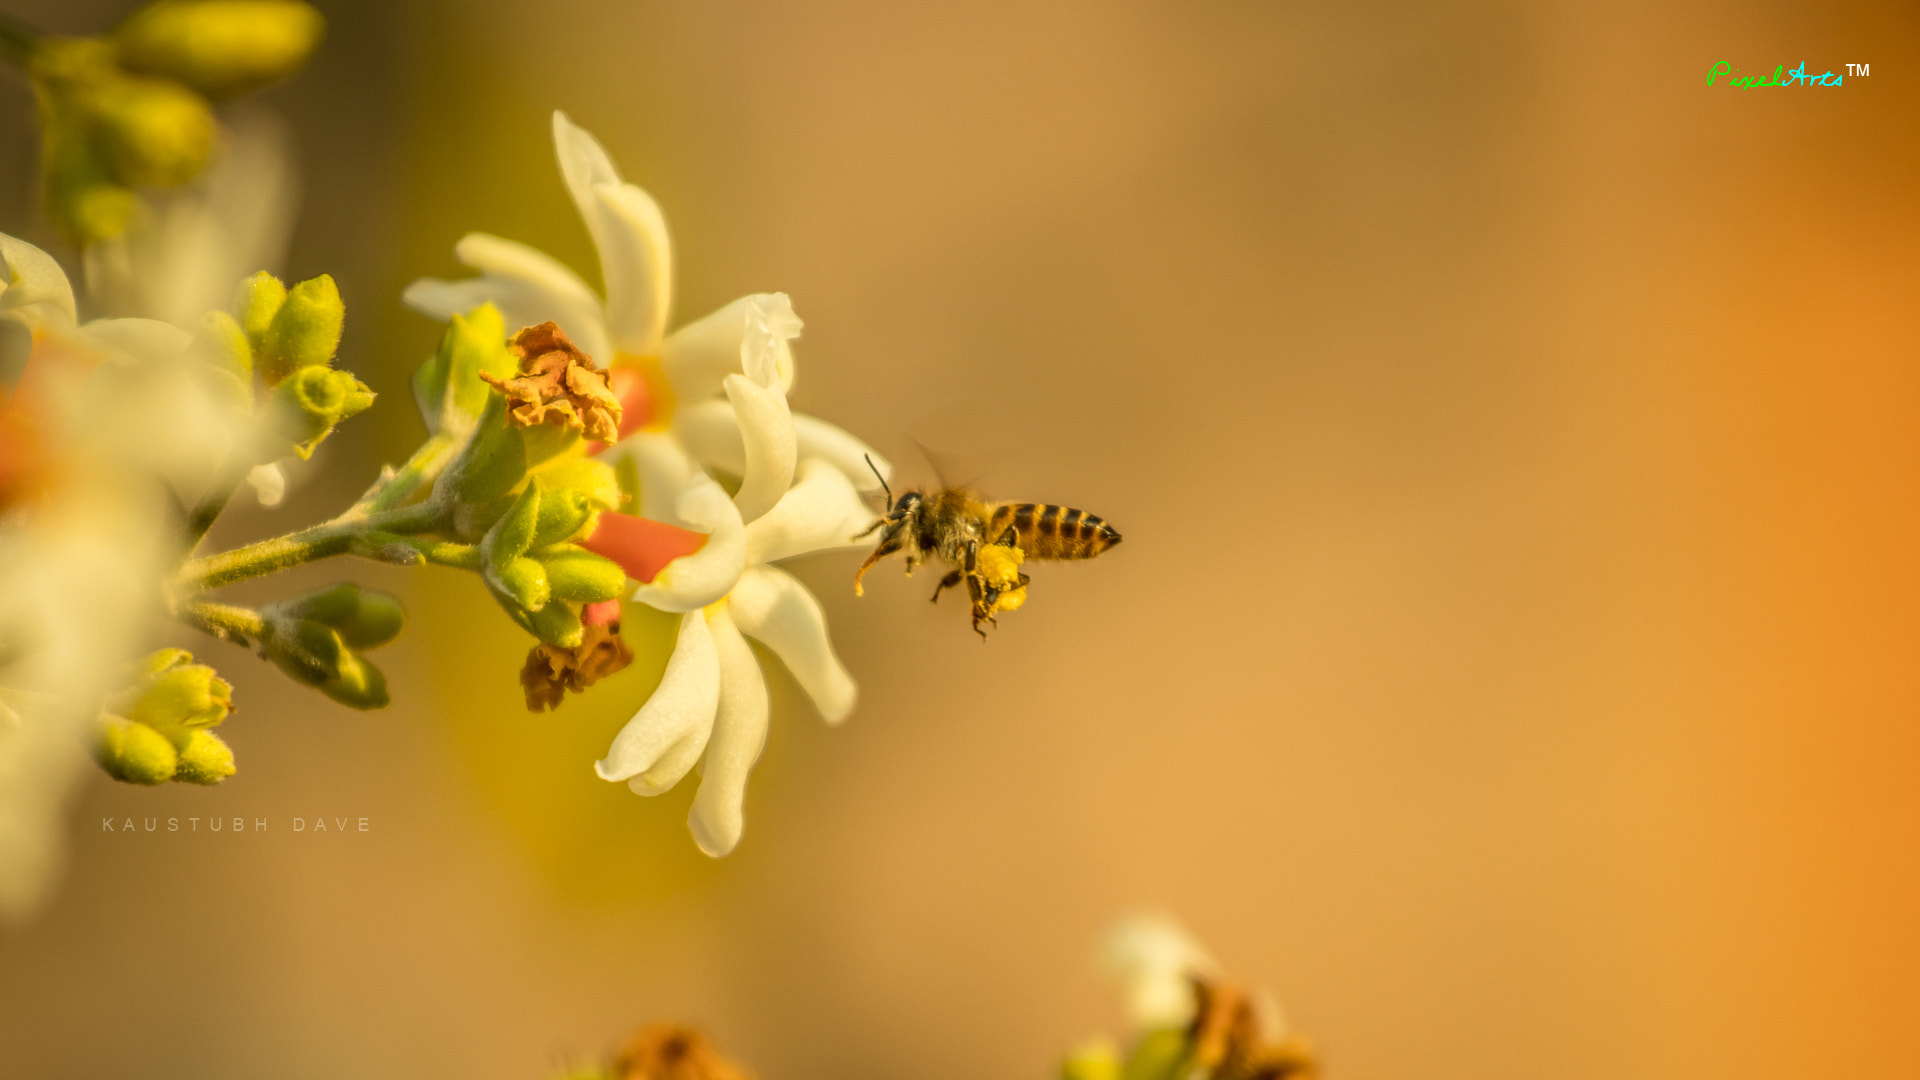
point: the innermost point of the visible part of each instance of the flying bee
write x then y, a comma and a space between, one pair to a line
984, 542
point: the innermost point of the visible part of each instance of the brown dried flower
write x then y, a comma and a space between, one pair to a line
551, 671
558, 384
672, 1052
1225, 1039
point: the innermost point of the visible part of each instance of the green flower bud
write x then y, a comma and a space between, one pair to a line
494, 460
363, 617
151, 133
179, 698
447, 387
223, 346
304, 331
595, 481
512, 535
206, 759
312, 400
581, 576
1159, 1055
557, 624
1095, 1061
255, 304
563, 514
160, 660
523, 579
316, 655
135, 753
220, 47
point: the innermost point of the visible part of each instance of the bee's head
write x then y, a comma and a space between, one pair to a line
907, 505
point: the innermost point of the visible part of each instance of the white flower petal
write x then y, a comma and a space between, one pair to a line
766, 434
696, 580
748, 337
629, 232
772, 607
33, 288
269, 483
141, 339
522, 302
739, 734
1155, 958
665, 472
538, 288
663, 740
819, 513
711, 433
832, 444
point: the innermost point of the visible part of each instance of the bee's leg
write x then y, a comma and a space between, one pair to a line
1007, 538
876, 524
948, 582
887, 547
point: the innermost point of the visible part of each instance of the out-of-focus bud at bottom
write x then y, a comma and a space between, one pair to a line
135, 753
1159, 1055
1097, 1060
205, 759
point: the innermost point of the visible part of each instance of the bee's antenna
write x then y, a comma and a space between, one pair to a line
882, 479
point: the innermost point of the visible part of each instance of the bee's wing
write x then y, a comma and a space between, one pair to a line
952, 470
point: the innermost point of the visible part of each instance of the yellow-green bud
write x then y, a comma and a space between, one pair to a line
221, 47
304, 331
312, 400
563, 515
447, 387
1159, 1055
494, 461
316, 655
223, 345
512, 535
135, 753
1096, 1060
160, 660
255, 304
557, 624
595, 481
582, 577
205, 759
364, 617
523, 579
181, 697
152, 133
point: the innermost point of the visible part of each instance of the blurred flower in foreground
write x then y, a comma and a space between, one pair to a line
705, 403
1190, 1023
135, 109
99, 424
664, 1051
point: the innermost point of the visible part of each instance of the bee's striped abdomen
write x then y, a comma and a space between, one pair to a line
1044, 531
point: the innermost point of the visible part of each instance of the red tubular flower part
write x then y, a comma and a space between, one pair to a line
641, 546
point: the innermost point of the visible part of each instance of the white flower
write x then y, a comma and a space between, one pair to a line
711, 706
1156, 960
710, 395
713, 390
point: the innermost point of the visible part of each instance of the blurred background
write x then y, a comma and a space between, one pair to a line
1511, 663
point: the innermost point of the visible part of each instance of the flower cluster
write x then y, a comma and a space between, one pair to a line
701, 410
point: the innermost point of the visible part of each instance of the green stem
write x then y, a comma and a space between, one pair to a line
18, 40
425, 464
308, 545
224, 621
438, 552
212, 503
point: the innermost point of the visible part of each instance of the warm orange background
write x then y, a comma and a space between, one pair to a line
1512, 658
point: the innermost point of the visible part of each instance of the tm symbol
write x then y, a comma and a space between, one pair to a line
1859, 70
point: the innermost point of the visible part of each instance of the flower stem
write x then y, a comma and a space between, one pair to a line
224, 621
323, 541
424, 465
208, 509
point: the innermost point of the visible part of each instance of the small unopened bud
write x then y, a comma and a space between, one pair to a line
135, 753
494, 461
152, 133
222, 345
364, 617
594, 481
312, 400
1160, 1054
204, 760
582, 577
304, 331
255, 304
448, 387
315, 654
181, 697
563, 515
523, 579
221, 47
513, 533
